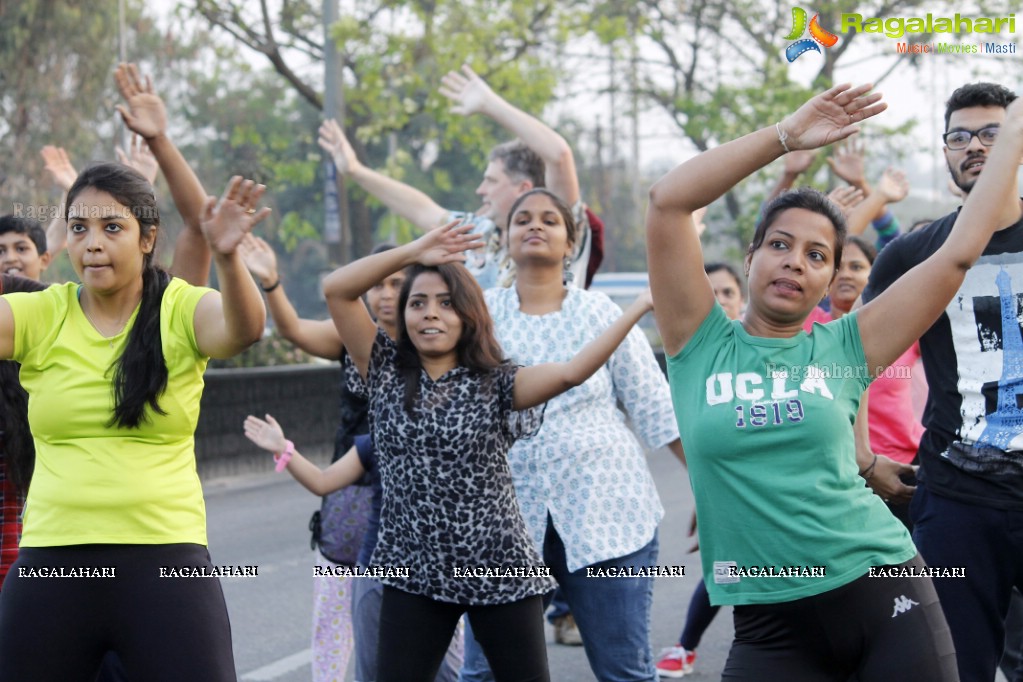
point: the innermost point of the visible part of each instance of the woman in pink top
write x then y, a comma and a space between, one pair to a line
895, 428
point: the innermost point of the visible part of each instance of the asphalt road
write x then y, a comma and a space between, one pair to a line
260, 520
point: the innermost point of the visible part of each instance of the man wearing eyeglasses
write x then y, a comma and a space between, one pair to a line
968, 507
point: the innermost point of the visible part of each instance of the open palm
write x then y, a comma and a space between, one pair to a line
468, 91
447, 244
333, 141
831, 116
145, 113
226, 222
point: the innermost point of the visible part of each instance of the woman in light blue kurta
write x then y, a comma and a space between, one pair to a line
582, 482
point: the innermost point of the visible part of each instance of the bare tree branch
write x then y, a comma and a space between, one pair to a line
264, 43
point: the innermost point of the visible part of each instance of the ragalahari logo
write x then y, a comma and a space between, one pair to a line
817, 35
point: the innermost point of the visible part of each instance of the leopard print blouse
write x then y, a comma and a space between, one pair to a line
449, 510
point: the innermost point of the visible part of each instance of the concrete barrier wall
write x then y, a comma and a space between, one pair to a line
303, 398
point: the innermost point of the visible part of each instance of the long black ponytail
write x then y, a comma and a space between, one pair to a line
140, 373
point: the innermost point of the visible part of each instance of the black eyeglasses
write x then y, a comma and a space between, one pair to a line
960, 139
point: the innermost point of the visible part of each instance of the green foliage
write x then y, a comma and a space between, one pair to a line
716, 69
293, 228
51, 55
393, 76
269, 351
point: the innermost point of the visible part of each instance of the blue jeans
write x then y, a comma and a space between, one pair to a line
558, 607
988, 543
613, 615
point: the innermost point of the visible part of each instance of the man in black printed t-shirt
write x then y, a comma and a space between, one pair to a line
968, 507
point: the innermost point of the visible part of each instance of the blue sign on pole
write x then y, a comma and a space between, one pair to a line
331, 206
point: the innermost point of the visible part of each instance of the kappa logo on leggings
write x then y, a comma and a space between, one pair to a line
903, 604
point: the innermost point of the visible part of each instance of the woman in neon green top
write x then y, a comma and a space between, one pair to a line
113, 368
788, 532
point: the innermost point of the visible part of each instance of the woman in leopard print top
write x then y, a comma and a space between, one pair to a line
445, 407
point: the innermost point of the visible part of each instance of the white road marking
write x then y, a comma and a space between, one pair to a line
279, 667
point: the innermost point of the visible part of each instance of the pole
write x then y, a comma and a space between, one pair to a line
336, 226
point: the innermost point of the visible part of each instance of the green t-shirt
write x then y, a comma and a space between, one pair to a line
94, 483
767, 429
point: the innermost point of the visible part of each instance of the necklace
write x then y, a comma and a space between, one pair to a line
109, 337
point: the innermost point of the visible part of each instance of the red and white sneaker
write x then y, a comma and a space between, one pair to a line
675, 662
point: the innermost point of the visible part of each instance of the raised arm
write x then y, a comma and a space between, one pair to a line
342, 473
472, 95
58, 164
345, 286
316, 337
848, 161
917, 298
796, 163
846, 197
891, 188
140, 157
146, 115
682, 293
405, 200
230, 321
537, 384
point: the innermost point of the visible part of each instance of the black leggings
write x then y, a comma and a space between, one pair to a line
57, 629
873, 629
415, 632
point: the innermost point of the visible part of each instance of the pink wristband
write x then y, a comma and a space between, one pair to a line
283, 458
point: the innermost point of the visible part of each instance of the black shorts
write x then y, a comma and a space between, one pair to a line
875, 629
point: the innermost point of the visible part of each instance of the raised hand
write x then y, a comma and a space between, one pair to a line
644, 301
831, 116
266, 434
333, 141
798, 161
893, 185
1014, 116
846, 197
698, 216
469, 92
447, 244
259, 258
140, 158
226, 222
847, 162
145, 113
59, 166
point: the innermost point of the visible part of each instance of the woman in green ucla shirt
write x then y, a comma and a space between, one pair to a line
789, 534
113, 368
